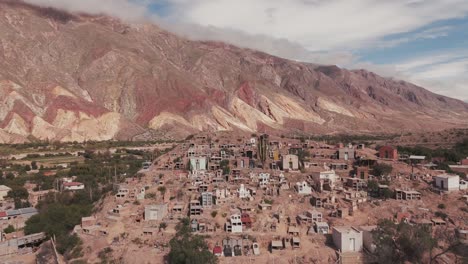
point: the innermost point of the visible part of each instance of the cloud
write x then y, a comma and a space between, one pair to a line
444, 73
319, 25
431, 33
124, 9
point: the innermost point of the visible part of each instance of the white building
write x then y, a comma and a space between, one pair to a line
328, 178
4, 191
198, 163
347, 239
234, 224
447, 182
73, 186
303, 188
155, 212
243, 192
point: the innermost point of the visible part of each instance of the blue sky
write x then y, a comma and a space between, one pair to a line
421, 41
453, 36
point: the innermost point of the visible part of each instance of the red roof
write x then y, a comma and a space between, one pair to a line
245, 218
3, 214
50, 173
217, 250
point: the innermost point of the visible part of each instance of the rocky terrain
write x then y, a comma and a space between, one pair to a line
78, 77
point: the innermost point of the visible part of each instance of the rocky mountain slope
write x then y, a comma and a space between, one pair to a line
79, 77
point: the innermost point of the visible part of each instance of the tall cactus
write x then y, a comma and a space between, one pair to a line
262, 152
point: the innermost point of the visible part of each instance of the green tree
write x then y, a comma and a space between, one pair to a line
18, 192
189, 249
162, 190
9, 229
373, 186
34, 165
382, 169
262, 151
387, 194
400, 243
224, 165
10, 176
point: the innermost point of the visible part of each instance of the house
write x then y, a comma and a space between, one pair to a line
447, 182
388, 152
290, 162
346, 154
155, 212
347, 239
4, 192
464, 161
234, 224
72, 186
207, 199
303, 188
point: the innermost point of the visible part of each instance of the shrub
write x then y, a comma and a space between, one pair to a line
441, 214
150, 196
9, 229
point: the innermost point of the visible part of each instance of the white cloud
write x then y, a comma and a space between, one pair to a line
445, 73
124, 9
319, 25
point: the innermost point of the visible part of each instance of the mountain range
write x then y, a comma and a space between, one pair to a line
76, 77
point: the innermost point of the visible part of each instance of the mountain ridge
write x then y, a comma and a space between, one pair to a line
80, 77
